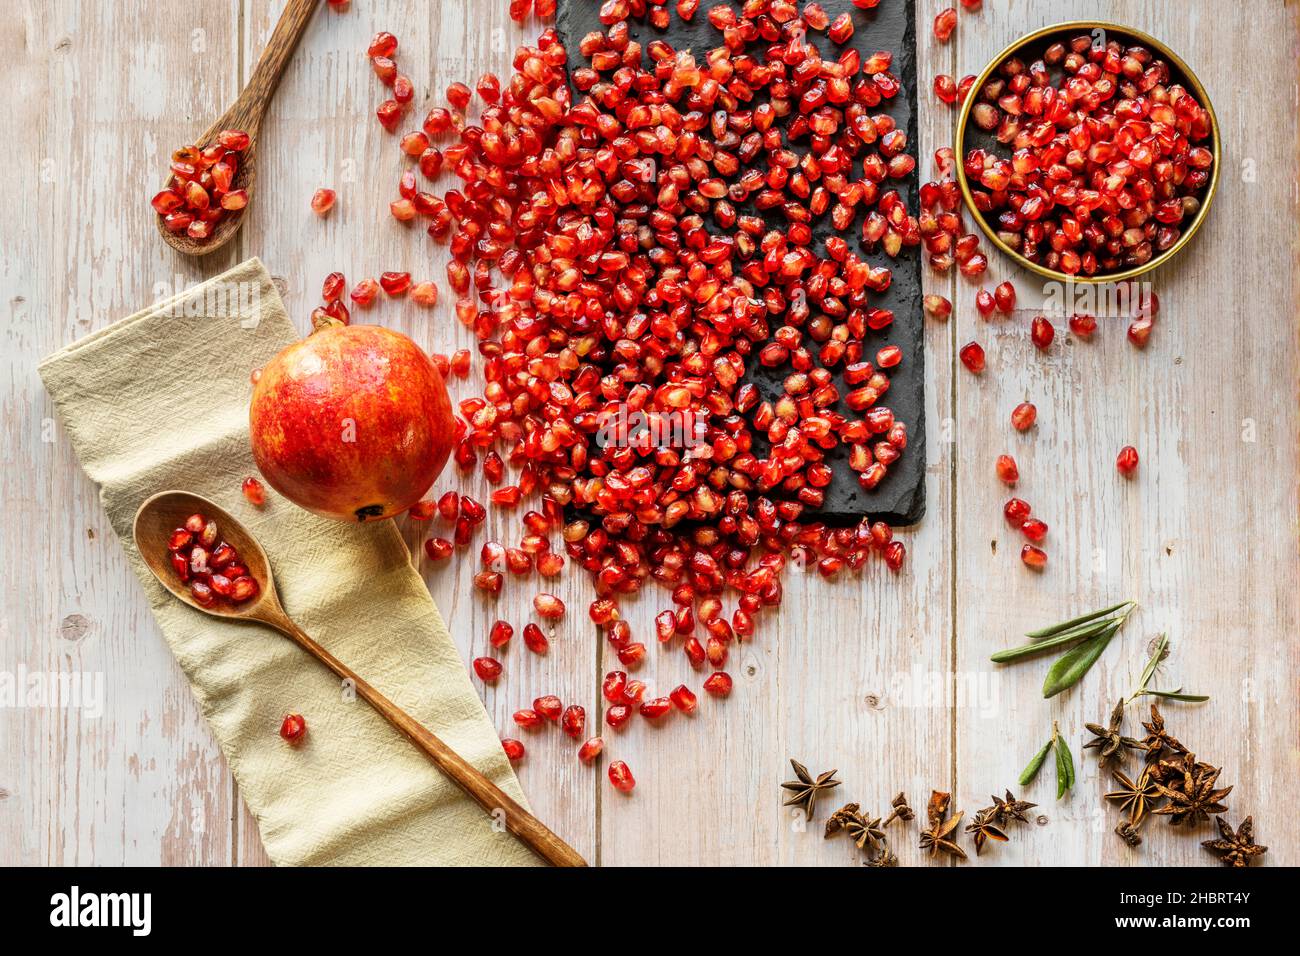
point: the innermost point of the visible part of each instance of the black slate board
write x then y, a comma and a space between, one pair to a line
900, 498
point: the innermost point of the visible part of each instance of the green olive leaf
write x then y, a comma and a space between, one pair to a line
1073, 664
1035, 764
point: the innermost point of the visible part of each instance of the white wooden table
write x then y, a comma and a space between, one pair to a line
884, 677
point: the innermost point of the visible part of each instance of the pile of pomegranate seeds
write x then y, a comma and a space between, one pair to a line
210, 566
199, 195
1106, 163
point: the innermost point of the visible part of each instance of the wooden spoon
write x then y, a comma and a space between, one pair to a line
246, 114
165, 512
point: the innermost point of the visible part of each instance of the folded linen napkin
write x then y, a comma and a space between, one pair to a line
159, 400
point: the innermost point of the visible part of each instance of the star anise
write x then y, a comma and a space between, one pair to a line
864, 831
1109, 739
837, 820
1195, 798
1173, 771
900, 811
1135, 799
884, 858
1004, 811
985, 827
1235, 849
805, 790
1128, 832
1157, 740
938, 835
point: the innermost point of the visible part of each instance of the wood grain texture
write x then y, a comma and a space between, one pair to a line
884, 677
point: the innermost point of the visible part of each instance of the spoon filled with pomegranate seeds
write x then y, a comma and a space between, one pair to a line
210, 183
207, 559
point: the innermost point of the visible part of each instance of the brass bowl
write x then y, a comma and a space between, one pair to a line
1180, 73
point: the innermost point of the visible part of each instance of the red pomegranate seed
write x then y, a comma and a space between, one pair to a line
1140, 331
514, 749
548, 606
471, 510
937, 307
841, 28
1005, 297
253, 491
449, 506
1083, 325
424, 294
395, 283
322, 201
944, 23
438, 549
617, 715
549, 564
293, 728
1023, 416
180, 538
895, 553
1034, 529
889, 356
1033, 557
202, 593
590, 749
984, 302
718, 684
364, 292
1016, 511
613, 685
500, 634
487, 669
458, 95
489, 582
383, 44
574, 721
389, 114
972, 356
945, 88
234, 139
243, 589
1042, 332
535, 640
683, 699
621, 777
630, 655
1126, 462
1007, 469
549, 706
527, 718
655, 708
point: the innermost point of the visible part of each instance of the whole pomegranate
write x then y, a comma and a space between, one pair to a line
352, 422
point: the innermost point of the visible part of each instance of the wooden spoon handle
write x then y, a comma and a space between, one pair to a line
270, 67
535, 834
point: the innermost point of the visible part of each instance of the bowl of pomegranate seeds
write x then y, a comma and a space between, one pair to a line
1088, 151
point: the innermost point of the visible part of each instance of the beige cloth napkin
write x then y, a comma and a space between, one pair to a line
160, 400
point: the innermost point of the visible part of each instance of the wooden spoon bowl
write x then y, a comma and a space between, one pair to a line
162, 513
246, 114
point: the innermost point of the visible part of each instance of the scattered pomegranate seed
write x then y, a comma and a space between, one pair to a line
984, 303
527, 718
1007, 469
548, 606
972, 356
944, 23
895, 553
1042, 332
1126, 462
438, 549
1034, 529
514, 749
293, 728
535, 640
487, 669
395, 283
253, 491
591, 749
322, 201
500, 634
617, 715
573, 721
1016, 511
945, 88
1023, 416
549, 707
718, 684
683, 699
1033, 557
1083, 325
630, 655
1005, 297
424, 294
621, 777
364, 292
937, 307
655, 708
383, 44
